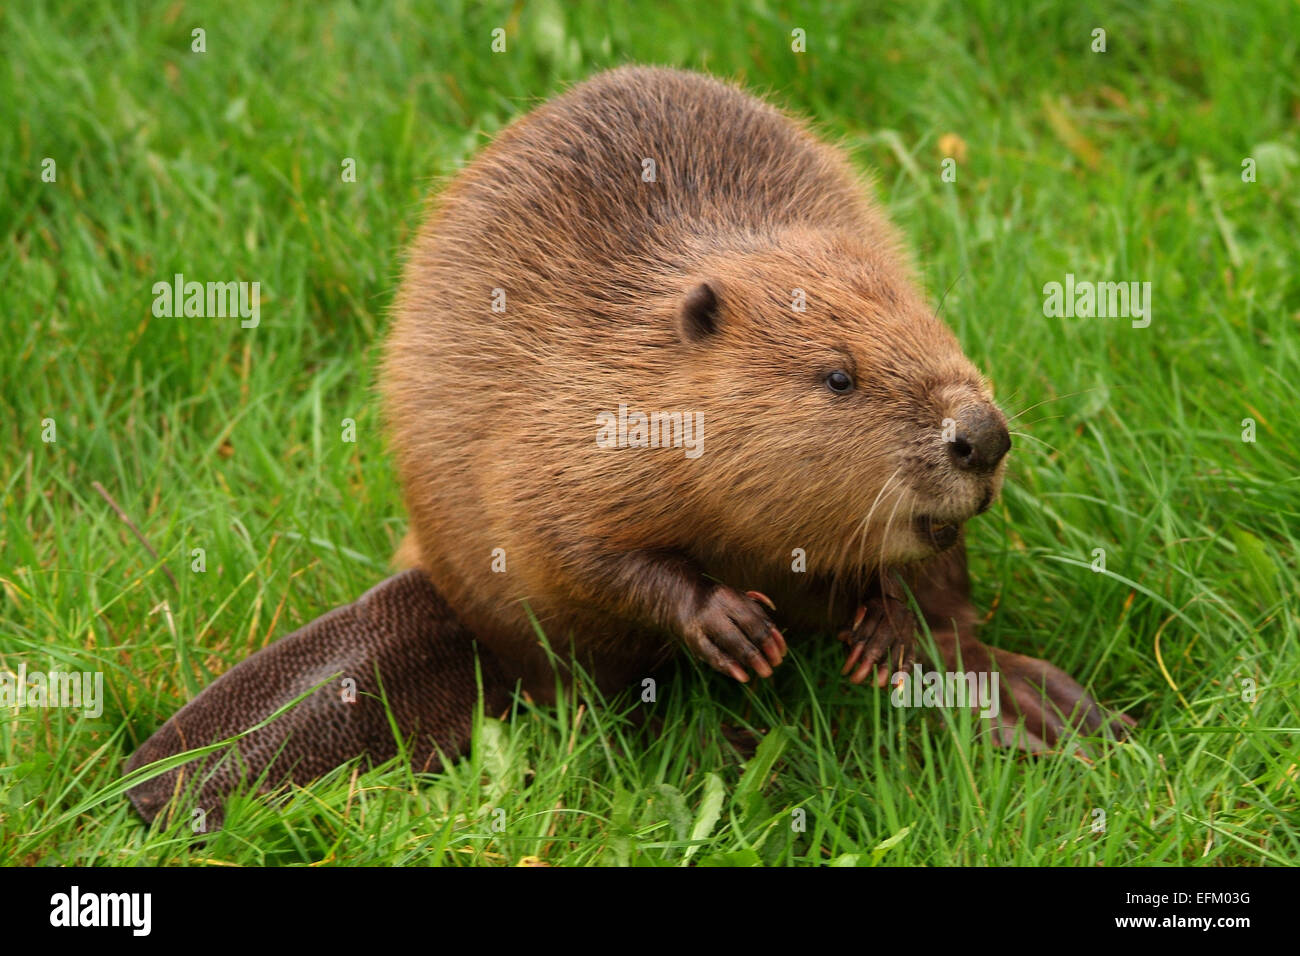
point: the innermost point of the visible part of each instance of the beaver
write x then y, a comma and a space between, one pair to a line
659, 375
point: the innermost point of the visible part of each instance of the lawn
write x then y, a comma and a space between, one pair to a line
1173, 157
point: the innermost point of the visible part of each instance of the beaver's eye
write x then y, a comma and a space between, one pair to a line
839, 382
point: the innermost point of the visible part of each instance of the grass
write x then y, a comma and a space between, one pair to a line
226, 165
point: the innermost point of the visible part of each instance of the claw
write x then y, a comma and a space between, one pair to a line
866, 666
878, 649
762, 598
733, 634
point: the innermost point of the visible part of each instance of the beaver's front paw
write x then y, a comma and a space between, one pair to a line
883, 636
730, 632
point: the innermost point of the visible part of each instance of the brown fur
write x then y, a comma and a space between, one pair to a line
493, 415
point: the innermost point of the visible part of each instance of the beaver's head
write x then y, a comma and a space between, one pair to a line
842, 414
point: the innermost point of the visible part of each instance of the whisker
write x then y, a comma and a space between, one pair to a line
1057, 398
859, 533
866, 522
1039, 421
889, 524
885, 537
944, 298
1037, 439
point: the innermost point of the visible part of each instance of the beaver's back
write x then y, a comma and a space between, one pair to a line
569, 179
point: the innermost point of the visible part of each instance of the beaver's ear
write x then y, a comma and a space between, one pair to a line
697, 316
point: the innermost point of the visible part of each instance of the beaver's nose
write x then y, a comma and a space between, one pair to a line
982, 440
